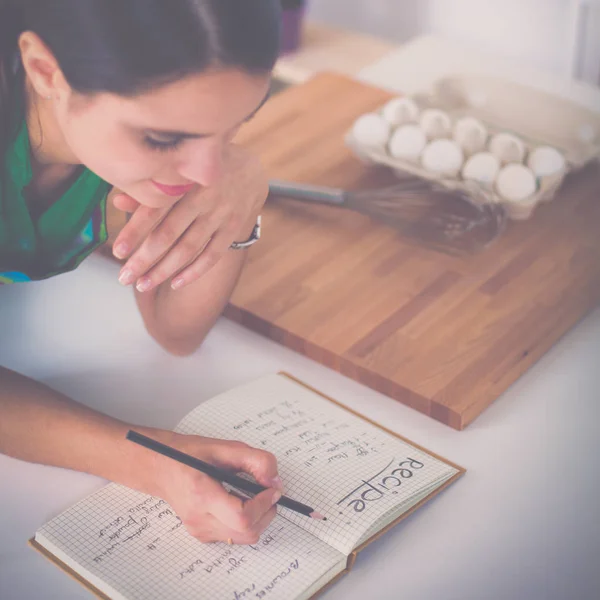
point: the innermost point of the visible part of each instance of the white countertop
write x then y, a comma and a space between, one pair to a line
326, 48
523, 524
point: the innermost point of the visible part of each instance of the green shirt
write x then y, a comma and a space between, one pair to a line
62, 236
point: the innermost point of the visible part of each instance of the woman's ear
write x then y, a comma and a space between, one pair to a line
42, 68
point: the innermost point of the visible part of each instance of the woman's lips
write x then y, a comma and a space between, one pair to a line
173, 190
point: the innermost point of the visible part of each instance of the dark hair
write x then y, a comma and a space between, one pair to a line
292, 4
128, 46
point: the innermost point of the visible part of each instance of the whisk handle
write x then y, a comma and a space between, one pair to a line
312, 193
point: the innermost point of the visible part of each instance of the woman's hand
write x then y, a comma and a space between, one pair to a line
70, 435
184, 241
208, 512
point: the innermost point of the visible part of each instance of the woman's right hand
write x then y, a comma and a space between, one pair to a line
69, 435
207, 510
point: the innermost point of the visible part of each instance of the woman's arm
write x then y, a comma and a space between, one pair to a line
37, 424
180, 320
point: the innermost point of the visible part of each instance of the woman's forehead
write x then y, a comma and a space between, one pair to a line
215, 100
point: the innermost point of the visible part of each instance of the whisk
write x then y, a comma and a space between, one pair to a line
453, 221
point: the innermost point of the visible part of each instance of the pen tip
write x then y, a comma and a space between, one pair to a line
318, 516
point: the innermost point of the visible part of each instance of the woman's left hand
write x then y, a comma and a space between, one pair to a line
185, 240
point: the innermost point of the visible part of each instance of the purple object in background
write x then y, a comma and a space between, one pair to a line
291, 28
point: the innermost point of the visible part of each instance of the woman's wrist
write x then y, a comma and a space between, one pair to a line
137, 467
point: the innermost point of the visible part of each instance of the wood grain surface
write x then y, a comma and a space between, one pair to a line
442, 334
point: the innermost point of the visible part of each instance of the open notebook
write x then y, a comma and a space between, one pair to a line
125, 545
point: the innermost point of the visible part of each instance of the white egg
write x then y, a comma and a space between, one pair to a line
471, 134
516, 183
435, 123
545, 160
400, 111
443, 157
371, 130
408, 142
482, 167
507, 148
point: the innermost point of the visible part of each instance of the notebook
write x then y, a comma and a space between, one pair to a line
124, 545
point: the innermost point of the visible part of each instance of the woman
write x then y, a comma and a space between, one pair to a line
139, 98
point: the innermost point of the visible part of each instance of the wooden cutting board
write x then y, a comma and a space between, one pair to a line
441, 334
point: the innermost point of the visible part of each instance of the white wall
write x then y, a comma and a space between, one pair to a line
589, 67
561, 36
536, 31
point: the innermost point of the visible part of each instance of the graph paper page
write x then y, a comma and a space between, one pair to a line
337, 463
132, 546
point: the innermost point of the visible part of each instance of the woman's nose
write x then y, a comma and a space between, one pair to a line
203, 163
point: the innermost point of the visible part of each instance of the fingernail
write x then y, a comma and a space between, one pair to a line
178, 284
144, 285
277, 483
121, 251
276, 498
126, 277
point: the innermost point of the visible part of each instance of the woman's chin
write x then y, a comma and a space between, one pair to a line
147, 195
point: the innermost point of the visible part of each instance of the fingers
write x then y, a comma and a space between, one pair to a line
246, 520
214, 251
143, 221
208, 510
180, 237
192, 256
251, 536
185, 240
125, 203
238, 456
214, 530
179, 252
232, 517
185, 256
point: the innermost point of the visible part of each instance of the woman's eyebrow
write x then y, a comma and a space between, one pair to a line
184, 135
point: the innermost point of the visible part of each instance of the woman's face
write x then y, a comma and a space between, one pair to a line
156, 146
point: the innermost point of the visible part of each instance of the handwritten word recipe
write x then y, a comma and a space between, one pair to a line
316, 444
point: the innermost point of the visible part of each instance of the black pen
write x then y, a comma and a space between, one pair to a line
220, 474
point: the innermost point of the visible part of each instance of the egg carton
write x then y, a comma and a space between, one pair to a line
528, 130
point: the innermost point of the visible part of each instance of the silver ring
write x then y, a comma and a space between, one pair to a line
254, 237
